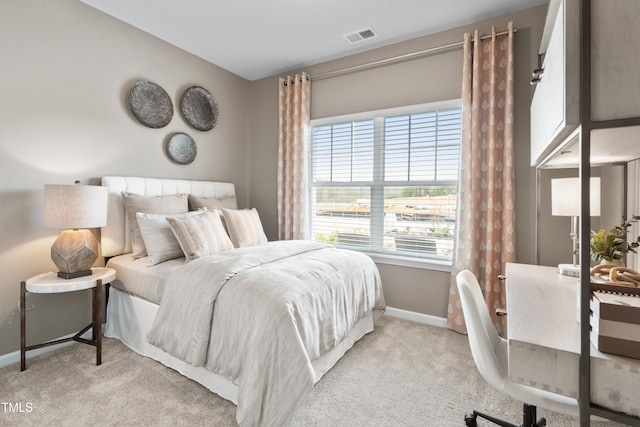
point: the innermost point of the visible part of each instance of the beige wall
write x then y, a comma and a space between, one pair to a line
66, 72
433, 78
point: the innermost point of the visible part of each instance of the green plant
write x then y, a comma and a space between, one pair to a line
611, 245
328, 238
442, 232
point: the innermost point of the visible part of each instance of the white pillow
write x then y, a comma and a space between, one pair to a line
200, 235
160, 242
244, 227
134, 203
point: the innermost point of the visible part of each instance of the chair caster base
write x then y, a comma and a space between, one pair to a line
528, 418
470, 420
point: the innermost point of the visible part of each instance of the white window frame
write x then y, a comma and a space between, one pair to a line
387, 258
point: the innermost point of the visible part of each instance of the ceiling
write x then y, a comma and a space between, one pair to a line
260, 38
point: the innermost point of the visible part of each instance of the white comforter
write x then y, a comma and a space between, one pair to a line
278, 306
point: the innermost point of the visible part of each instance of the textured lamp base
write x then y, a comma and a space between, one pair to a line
74, 252
73, 275
569, 270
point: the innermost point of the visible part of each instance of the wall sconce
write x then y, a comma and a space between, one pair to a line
565, 201
75, 207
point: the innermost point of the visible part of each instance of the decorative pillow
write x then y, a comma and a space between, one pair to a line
159, 241
200, 235
134, 203
197, 202
244, 227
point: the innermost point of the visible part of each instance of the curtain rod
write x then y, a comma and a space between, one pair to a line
292, 80
400, 58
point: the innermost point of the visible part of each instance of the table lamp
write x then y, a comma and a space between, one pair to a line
75, 207
565, 201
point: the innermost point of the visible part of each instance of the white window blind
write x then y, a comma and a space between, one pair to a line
387, 181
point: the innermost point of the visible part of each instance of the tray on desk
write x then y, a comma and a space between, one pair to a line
600, 284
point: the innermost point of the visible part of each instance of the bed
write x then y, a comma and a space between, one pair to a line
258, 323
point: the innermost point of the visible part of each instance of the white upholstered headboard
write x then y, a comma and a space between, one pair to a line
115, 236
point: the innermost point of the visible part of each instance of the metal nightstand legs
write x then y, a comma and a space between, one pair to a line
96, 326
23, 318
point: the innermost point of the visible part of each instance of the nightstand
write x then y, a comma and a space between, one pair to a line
50, 283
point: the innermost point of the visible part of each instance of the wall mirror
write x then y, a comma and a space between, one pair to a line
617, 195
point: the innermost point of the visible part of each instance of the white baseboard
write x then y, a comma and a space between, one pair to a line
417, 317
11, 358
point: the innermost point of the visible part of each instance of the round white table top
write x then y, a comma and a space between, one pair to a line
50, 283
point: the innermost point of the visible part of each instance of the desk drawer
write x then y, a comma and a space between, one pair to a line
544, 368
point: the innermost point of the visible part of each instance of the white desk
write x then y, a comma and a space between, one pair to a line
544, 341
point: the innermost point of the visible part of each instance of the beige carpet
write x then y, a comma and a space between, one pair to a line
402, 374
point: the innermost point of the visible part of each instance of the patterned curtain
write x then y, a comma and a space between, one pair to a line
293, 142
486, 218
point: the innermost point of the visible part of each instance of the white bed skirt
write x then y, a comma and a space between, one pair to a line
130, 319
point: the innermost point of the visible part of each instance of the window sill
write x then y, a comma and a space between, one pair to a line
405, 261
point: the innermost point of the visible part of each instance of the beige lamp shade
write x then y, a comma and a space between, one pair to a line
565, 196
75, 207
565, 201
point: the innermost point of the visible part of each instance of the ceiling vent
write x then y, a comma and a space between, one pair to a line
361, 35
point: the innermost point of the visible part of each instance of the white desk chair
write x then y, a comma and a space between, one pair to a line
489, 352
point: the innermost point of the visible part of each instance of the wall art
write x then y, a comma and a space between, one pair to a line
181, 148
150, 104
199, 108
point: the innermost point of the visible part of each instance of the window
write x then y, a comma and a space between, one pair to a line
387, 181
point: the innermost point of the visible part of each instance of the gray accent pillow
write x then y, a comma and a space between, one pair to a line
199, 202
200, 235
134, 203
244, 226
159, 241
